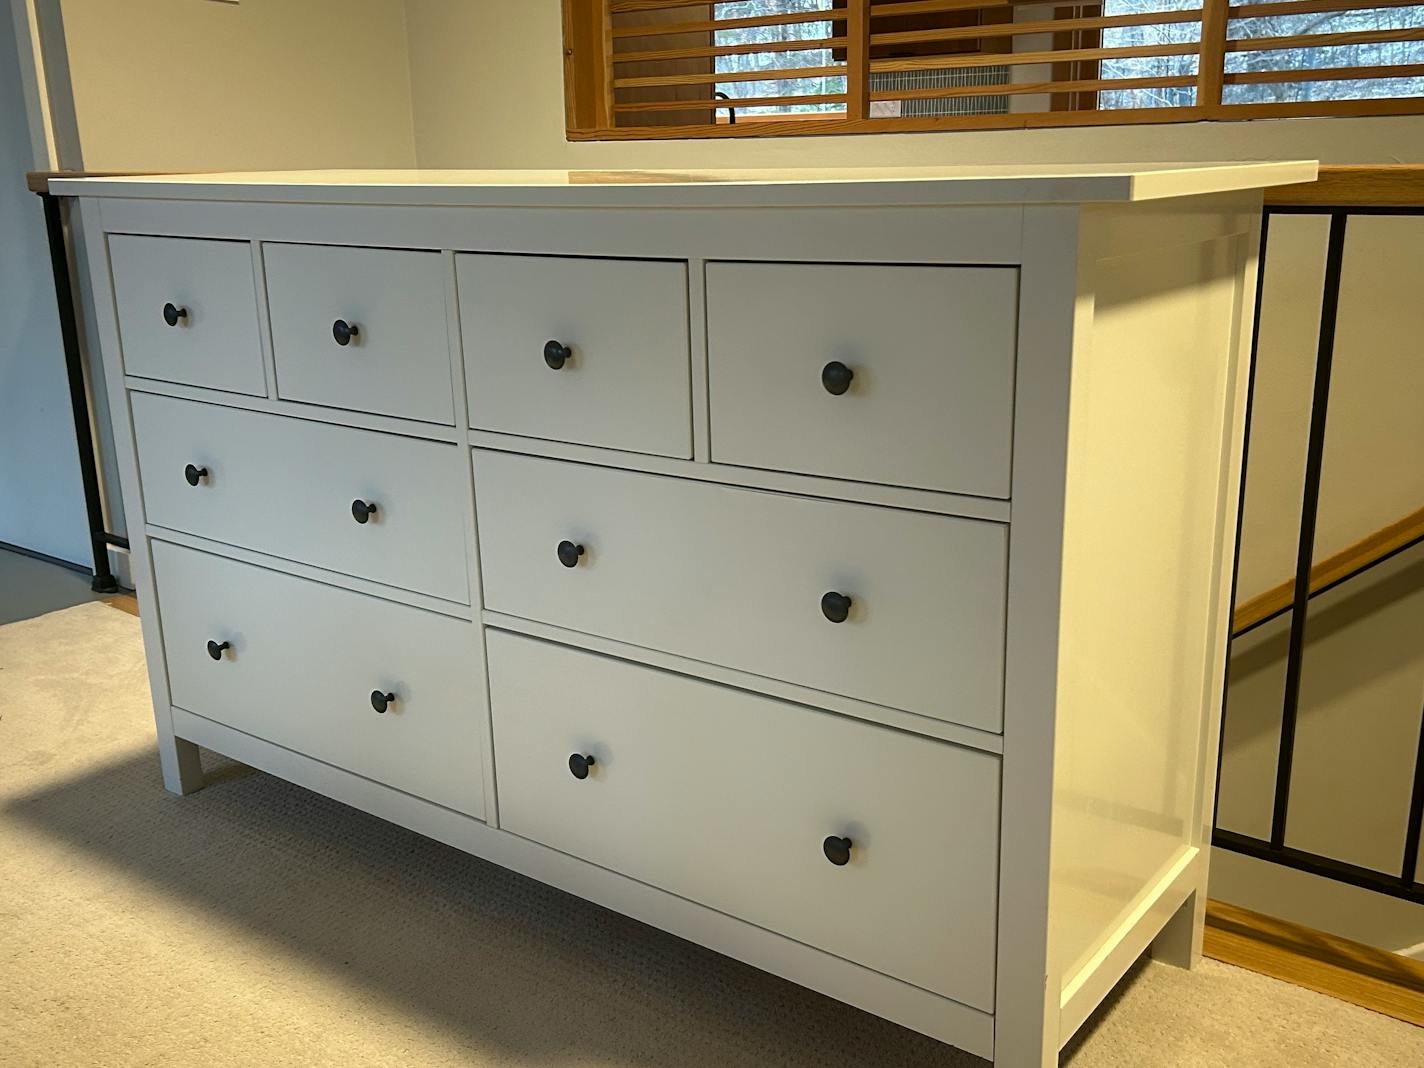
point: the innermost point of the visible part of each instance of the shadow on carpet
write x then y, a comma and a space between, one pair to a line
486, 954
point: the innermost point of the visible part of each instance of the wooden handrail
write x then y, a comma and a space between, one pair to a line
1348, 561
1384, 185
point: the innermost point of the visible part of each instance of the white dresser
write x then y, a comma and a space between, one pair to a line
830, 568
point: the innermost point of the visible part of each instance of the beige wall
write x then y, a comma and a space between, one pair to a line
198, 85
487, 84
1374, 435
1363, 677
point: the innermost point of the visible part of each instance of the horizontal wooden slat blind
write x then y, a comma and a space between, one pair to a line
690, 68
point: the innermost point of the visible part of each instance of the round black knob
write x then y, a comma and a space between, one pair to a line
837, 850
836, 376
215, 649
835, 606
343, 331
172, 313
382, 701
194, 475
579, 764
361, 510
556, 354
569, 553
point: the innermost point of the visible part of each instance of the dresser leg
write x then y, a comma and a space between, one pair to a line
182, 768
1179, 942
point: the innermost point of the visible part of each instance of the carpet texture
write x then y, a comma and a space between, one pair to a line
254, 923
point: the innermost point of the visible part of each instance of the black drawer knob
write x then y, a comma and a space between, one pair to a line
836, 376
382, 701
835, 606
194, 474
579, 763
362, 511
569, 553
172, 314
215, 649
343, 331
556, 354
837, 850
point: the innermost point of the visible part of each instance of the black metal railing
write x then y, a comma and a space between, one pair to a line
100, 537
1402, 883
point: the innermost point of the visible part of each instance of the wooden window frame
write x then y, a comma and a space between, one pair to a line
592, 113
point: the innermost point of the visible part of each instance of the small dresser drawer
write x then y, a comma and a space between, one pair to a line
743, 803
310, 666
188, 311
588, 351
361, 328
754, 580
897, 375
302, 490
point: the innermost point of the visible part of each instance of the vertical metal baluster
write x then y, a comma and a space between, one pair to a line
1310, 503
1416, 814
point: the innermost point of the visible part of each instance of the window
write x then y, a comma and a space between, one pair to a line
688, 68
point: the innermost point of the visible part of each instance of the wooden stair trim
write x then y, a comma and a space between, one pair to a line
124, 602
1332, 569
1397, 185
1328, 964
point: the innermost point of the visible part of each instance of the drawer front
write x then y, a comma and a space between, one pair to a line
626, 381
213, 339
929, 402
302, 662
737, 577
388, 305
727, 798
287, 487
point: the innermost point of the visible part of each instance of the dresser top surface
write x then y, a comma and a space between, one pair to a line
864, 186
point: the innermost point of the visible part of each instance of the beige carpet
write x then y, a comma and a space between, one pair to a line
255, 923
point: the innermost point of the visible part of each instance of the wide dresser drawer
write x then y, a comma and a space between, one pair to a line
583, 350
187, 311
875, 845
380, 506
380, 689
361, 328
902, 375
898, 608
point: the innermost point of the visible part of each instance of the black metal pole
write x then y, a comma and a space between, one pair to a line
99, 539
1416, 814
1310, 504
1327, 867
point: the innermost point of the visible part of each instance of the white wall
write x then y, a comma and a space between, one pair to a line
487, 90
166, 85
41, 499
261, 84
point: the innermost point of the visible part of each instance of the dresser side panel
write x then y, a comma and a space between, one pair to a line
1152, 478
